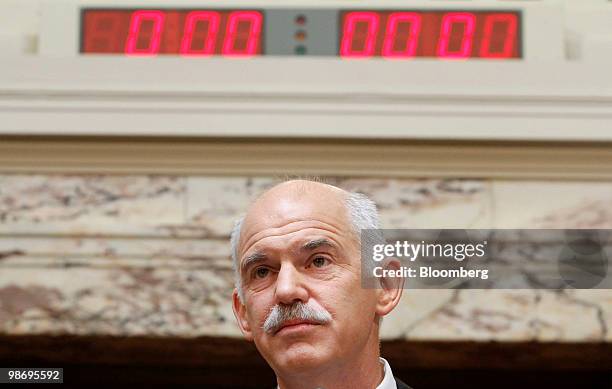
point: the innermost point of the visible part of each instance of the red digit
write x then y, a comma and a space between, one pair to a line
448, 22
154, 36
193, 18
249, 41
350, 39
509, 38
391, 35
102, 32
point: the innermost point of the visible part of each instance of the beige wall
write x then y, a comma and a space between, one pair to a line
148, 254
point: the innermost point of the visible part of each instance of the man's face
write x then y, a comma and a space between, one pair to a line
301, 249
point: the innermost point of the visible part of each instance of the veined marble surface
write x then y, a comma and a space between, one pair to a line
149, 255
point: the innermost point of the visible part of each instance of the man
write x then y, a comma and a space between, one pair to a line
298, 293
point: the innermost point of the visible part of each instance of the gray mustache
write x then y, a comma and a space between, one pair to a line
296, 311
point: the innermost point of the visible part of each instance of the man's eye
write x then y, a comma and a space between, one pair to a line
320, 262
261, 272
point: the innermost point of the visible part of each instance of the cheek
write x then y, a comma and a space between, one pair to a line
257, 311
344, 299
354, 301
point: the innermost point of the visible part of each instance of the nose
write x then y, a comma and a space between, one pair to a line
289, 285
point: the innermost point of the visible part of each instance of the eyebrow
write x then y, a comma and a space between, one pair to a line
251, 259
315, 244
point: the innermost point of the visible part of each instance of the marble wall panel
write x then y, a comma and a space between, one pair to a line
90, 204
601, 300
572, 315
427, 203
552, 204
85, 247
215, 203
128, 255
510, 315
118, 300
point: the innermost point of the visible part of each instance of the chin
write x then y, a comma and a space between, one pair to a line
302, 356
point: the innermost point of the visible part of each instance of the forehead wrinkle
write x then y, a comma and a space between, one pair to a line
321, 225
296, 246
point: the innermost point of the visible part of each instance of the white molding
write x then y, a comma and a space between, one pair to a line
322, 98
196, 156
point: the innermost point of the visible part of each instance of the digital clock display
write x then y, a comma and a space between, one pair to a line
391, 34
404, 34
189, 33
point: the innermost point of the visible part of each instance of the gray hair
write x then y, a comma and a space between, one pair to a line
362, 214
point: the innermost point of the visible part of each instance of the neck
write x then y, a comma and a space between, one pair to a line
362, 370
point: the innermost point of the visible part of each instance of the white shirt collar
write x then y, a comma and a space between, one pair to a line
388, 381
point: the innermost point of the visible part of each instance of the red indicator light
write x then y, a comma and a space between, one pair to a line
300, 20
438, 34
235, 33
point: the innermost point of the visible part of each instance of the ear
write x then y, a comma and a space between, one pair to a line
390, 290
241, 315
